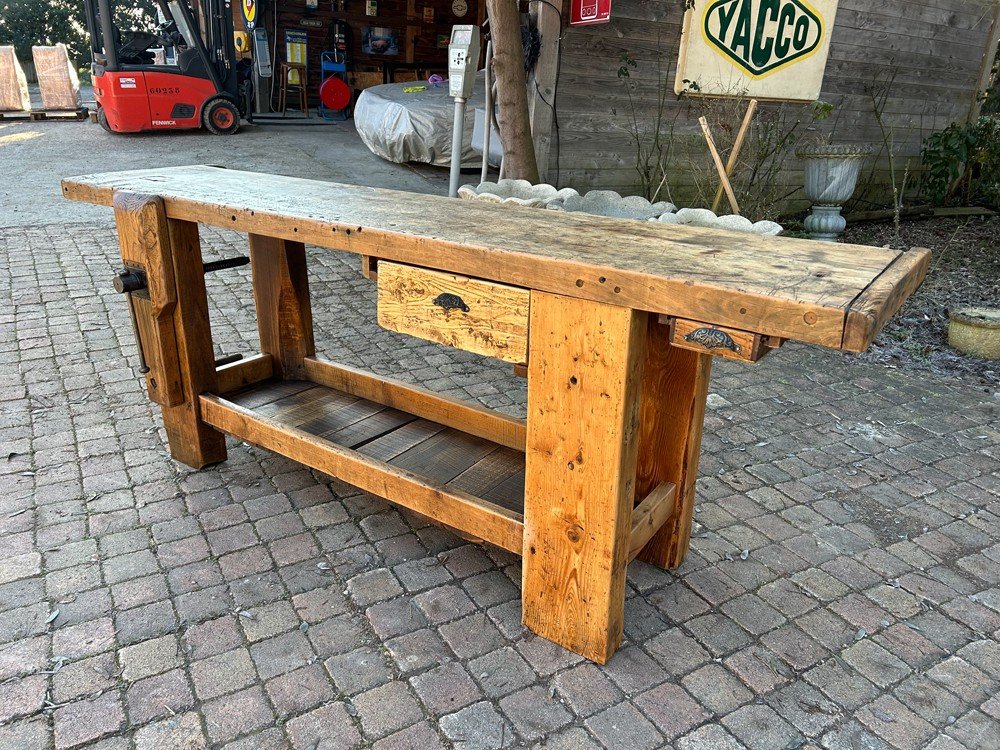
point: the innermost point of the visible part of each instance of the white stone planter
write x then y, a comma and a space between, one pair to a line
610, 203
831, 175
514, 192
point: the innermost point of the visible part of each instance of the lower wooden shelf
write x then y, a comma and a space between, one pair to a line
466, 482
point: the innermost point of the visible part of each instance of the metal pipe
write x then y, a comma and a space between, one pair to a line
488, 119
456, 146
108, 34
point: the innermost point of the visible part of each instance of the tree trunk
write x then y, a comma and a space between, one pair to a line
512, 91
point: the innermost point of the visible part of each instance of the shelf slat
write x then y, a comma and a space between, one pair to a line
382, 450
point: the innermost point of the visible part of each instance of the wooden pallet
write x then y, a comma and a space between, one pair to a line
36, 115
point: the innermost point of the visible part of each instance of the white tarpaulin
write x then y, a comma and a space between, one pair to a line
415, 126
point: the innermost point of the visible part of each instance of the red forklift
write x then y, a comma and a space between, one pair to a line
193, 84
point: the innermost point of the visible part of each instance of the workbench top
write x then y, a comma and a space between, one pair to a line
830, 294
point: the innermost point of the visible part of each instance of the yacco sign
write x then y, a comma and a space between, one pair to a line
731, 46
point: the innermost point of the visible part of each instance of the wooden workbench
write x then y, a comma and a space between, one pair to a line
615, 323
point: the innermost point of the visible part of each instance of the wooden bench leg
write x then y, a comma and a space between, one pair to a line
584, 372
174, 324
284, 313
671, 416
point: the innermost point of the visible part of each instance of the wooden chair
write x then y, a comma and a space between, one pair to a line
285, 71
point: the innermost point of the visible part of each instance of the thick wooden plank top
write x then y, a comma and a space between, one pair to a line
818, 292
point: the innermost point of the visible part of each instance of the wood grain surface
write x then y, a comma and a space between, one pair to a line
584, 373
777, 286
481, 317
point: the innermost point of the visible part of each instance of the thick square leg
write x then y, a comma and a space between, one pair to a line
281, 293
583, 395
174, 324
671, 417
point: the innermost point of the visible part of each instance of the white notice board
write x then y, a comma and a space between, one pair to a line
765, 49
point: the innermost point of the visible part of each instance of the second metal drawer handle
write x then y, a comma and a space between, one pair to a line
451, 302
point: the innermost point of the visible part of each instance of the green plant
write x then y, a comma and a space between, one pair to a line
963, 160
653, 144
25, 23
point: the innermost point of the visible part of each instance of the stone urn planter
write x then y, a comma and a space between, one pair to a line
831, 175
975, 331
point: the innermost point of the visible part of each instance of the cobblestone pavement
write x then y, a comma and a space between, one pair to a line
842, 589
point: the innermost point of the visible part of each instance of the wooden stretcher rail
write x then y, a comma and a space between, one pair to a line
471, 418
774, 286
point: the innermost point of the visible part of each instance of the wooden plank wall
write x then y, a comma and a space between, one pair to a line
933, 50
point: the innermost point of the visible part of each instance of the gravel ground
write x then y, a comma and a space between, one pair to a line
965, 270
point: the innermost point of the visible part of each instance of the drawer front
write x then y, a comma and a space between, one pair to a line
471, 314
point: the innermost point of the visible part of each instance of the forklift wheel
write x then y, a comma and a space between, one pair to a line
102, 119
221, 117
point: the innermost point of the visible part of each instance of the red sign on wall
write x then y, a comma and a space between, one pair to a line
585, 12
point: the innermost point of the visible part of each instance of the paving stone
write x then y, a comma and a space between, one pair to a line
623, 727
85, 639
709, 737
149, 658
27, 734
478, 727
236, 714
501, 672
281, 654
298, 691
805, 708
471, 636
79, 679
87, 720
223, 673
22, 697
760, 728
717, 689
928, 699
417, 650
896, 724
975, 730
875, 663
386, 709
671, 709
962, 678
329, 727
418, 737
446, 688
158, 696
181, 732
534, 713
358, 670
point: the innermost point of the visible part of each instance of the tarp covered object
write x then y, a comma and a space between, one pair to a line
56, 77
13, 85
416, 126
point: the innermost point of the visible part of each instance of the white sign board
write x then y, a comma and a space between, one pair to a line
765, 49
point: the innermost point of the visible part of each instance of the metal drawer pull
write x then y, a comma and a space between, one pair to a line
712, 338
450, 301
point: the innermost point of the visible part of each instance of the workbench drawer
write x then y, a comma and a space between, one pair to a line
471, 314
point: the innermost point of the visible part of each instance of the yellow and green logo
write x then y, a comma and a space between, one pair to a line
762, 36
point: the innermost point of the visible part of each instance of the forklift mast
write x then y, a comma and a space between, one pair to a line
196, 84
205, 26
